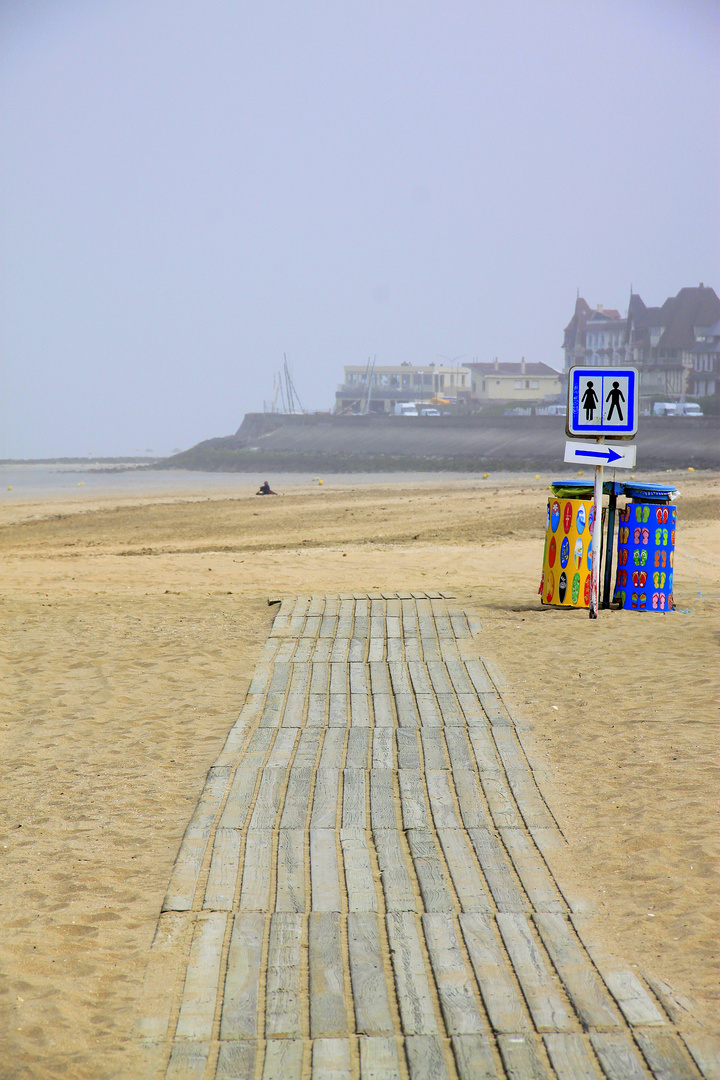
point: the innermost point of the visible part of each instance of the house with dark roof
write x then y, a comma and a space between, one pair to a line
509, 382
661, 342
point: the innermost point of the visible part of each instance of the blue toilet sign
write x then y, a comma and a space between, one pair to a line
602, 402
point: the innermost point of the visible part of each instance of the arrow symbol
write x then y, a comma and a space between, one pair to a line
609, 455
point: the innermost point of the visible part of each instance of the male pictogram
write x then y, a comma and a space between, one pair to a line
615, 397
589, 400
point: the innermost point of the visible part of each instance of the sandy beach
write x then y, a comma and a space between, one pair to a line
133, 615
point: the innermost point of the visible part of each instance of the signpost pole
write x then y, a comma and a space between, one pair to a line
596, 533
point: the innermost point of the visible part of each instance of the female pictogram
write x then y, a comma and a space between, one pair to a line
589, 401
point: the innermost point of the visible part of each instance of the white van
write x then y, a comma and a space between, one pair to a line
664, 408
405, 408
688, 408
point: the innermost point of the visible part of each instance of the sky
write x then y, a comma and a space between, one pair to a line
190, 189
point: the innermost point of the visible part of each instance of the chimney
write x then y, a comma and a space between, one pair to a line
522, 366
497, 366
600, 307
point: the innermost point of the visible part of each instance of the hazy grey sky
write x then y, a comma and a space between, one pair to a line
192, 188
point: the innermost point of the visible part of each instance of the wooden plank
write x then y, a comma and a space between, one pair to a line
396, 883
327, 996
373, 1015
382, 799
325, 799
406, 712
267, 802
452, 715
188, 1061
344, 627
426, 1058
497, 870
400, 678
379, 1059
307, 750
582, 984
522, 1058
434, 887
494, 710
502, 1001
257, 869
261, 679
430, 715
358, 647
290, 895
340, 651
283, 1059
324, 871
394, 649
407, 748
317, 711
382, 749
167, 954
383, 711
636, 1004
299, 678
320, 678
282, 749
500, 801
337, 711
354, 813
458, 749
412, 799
442, 806
358, 871
530, 868
339, 678
304, 650
240, 798
484, 750
240, 998
433, 749
454, 981
376, 650
466, 878
544, 1001
284, 991
224, 870
420, 679
459, 625
297, 797
197, 1009
333, 751
322, 648
439, 677
459, 678
470, 799
279, 679
357, 748
211, 798
569, 1057
414, 995
618, 1056
358, 678
272, 710
473, 1057
359, 710
186, 870
478, 677
665, 1054
328, 627
705, 1050
331, 1059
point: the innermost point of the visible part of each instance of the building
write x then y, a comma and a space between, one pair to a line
674, 347
520, 383
378, 388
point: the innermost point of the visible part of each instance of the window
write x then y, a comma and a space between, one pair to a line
534, 384
527, 384
518, 384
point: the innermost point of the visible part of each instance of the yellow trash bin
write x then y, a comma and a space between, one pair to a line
566, 579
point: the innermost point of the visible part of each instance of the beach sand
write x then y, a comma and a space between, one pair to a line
130, 629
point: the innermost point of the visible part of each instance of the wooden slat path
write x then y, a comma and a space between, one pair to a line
365, 889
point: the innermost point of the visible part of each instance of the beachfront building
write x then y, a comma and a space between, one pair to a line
671, 346
519, 383
378, 388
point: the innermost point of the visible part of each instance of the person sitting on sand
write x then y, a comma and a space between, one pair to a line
265, 489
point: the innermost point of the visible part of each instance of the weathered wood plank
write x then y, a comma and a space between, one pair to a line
544, 1001
328, 626
331, 1059
224, 870
304, 650
290, 895
442, 806
358, 871
188, 1061
186, 870
473, 1057
406, 712
284, 987
333, 750
240, 999
414, 996
582, 985
570, 1057
317, 711
396, 883
705, 1050
344, 627
373, 1015
459, 678
327, 988
636, 1004
426, 1058
354, 814
325, 799
459, 625
256, 878
382, 799
358, 647
420, 679
433, 749
339, 678
407, 749
466, 877
358, 745
297, 796
394, 649
267, 802
379, 1059
478, 677
530, 868
358, 678
320, 678
618, 1057
272, 710
322, 647
450, 711
197, 1009
338, 711
382, 711
412, 799
430, 715
400, 678
382, 749
502, 1001
454, 981
324, 871
340, 651
522, 1058
440, 677
665, 1054
359, 710
458, 749
497, 870
471, 800
307, 750
500, 801
240, 798
434, 887
494, 710
283, 1059
167, 954
282, 749
484, 750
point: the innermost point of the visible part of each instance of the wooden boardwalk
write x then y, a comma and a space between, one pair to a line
364, 889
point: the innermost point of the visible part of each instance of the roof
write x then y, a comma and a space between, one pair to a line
527, 370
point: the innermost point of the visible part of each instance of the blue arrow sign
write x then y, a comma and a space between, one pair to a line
607, 455
620, 456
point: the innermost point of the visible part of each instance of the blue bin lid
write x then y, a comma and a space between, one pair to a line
653, 492
632, 489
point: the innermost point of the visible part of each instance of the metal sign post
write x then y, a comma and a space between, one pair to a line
602, 403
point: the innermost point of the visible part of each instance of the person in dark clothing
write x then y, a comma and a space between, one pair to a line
265, 489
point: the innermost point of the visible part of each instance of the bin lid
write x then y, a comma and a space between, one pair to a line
650, 492
582, 489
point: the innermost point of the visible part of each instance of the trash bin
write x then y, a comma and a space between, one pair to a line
568, 551
646, 553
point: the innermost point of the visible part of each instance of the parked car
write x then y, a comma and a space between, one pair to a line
677, 408
430, 411
405, 408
